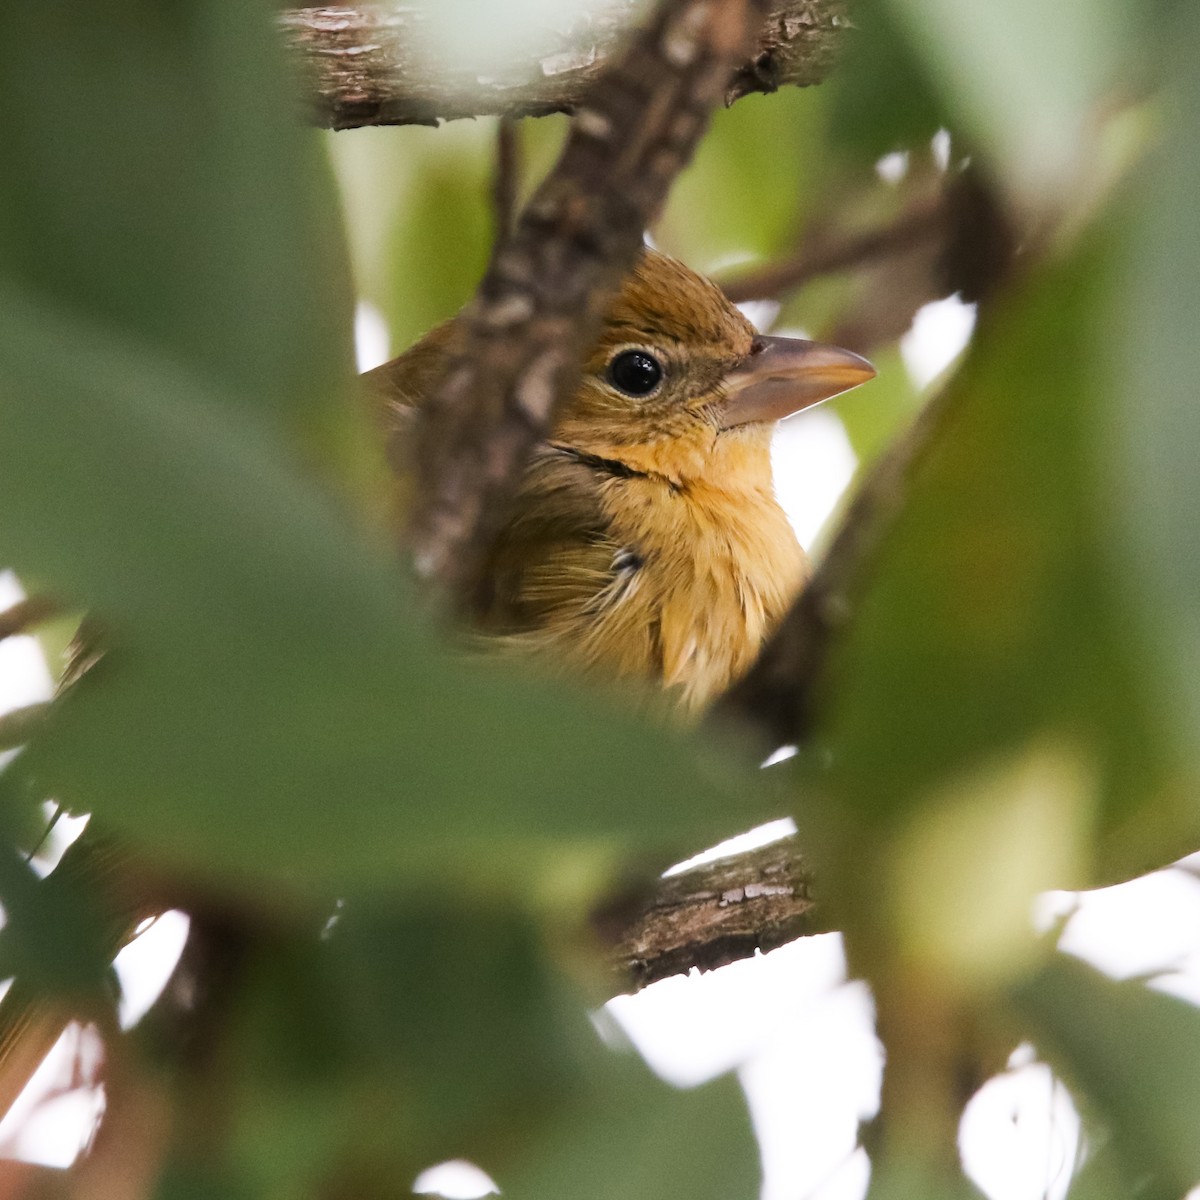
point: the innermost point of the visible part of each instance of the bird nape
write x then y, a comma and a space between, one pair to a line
645, 541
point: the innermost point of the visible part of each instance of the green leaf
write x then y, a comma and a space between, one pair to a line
187, 1179
1134, 1053
642, 1138
989, 617
420, 218
1024, 79
1150, 425
896, 1177
754, 177
405, 1035
441, 239
402, 1036
54, 935
271, 701
1103, 1175
156, 177
883, 99
874, 416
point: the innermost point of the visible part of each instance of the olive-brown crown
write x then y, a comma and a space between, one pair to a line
684, 324
665, 313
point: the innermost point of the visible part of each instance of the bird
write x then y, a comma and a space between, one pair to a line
645, 542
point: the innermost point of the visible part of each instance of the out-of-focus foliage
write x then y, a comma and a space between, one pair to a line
419, 219
182, 452
391, 849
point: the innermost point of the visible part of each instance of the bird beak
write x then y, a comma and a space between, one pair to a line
781, 376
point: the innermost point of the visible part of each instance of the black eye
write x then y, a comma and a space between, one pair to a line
635, 372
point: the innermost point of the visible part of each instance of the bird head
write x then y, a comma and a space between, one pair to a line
679, 379
678, 385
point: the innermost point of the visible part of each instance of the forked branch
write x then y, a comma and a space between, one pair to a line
522, 340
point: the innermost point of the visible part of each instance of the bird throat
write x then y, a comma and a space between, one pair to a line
704, 567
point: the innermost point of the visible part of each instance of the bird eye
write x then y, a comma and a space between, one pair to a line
635, 372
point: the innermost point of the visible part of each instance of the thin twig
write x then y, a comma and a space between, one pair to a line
506, 178
367, 64
923, 221
521, 342
27, 614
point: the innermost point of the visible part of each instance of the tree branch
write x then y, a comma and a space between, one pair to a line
713, 915
365, 65
506, 178
924, 221
26, 614
521, 342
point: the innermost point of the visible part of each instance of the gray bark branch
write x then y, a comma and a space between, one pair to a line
366, 64
521, 342
714, 914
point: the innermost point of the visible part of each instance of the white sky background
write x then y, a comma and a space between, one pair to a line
800, 1034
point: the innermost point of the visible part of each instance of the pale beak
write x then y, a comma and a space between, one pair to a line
781, 376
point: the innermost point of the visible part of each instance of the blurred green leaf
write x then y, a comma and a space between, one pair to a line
541, 142
440, 242
883, 99
898, 1178
1103, 1176
753, 180
187, 1179
53, 933
271, 702
1151, 423
642, 1138
991, 615
874, 416
460, 1000
1024, 80
155, 177
1134, 1053
421, 218
403, 1036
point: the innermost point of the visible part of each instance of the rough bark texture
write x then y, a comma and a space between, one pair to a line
367, 66
523, 337
715, 914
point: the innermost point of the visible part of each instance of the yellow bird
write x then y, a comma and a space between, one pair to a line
646, 540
